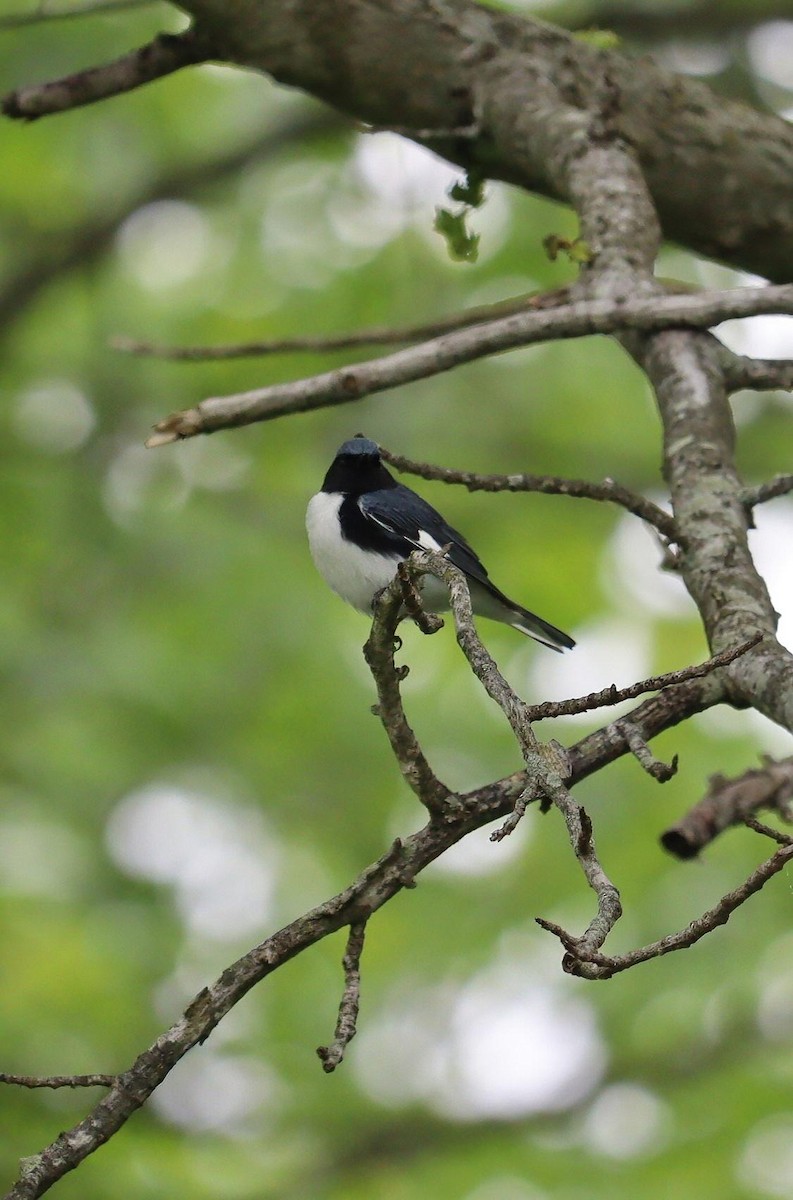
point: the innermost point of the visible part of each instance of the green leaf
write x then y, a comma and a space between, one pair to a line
470, 191
462, 245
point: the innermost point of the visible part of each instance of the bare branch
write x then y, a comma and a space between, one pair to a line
776, 835
346, 1024
609, 908
426, 621
545, 765
729, 802
659, 770
576, 319
756, 374
552, 485
58, 1081
589, 965
382, 335
373, 888
164, 55
780, 485
379, 654
614, 695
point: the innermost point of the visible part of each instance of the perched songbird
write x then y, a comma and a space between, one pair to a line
363, 523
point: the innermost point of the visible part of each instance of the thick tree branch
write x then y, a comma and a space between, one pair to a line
709, 505
429, 66
166, 54
453, 64
575, 319
730, 802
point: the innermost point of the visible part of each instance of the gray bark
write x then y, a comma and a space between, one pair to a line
719, 172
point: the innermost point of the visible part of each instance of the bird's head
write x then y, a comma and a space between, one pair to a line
357, 468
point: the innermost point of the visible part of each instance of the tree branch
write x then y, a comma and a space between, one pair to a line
614, 695
513, 79
58, 1081
780, 485
166, 54
551, 485
758, 374
730, 802
576, 319
374, 887
582, 961
382, 335
379, 654
708, 498
331, 1056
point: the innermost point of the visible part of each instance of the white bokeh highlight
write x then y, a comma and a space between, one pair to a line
513, 1041
765, 1164
54, 416
218, 856
626, 1121
217, 1093
165, 244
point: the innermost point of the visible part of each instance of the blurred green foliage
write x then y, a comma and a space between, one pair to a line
188, 756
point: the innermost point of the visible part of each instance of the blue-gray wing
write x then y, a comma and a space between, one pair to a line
416, 525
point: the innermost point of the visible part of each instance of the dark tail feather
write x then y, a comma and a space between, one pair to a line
534, 626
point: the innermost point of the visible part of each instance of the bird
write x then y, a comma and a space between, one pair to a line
362, 523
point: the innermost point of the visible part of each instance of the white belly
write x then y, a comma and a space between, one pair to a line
355, 575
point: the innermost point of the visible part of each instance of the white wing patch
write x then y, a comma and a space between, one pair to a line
427, 541
424, 541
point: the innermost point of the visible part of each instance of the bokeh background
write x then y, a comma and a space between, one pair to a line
188, 756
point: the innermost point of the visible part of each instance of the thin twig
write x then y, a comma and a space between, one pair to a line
58, 1081
346, 1024
659, 770
162, 56
614, 695
427, 622
380, 335
609, 907
576, 319
545, 764
776, 835
780, 485
379, 654
581, 961
479, 659
553, 485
